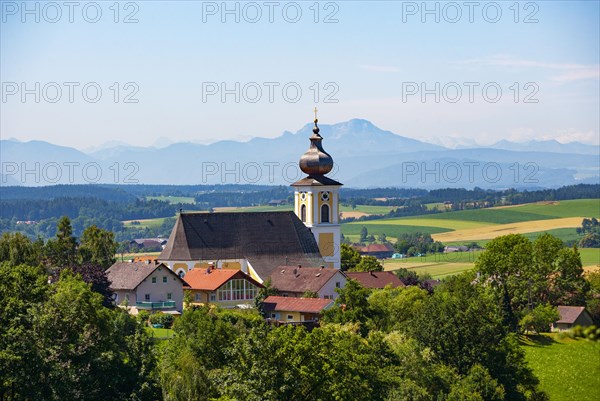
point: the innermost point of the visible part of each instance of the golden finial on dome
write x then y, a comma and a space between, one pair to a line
315, 110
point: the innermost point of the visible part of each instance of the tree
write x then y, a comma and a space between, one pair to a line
349, 257
363, 234
95, 275
408, 277
97, 246
539, 319
368, 264
569, 285
503, 265
62, 251
18, 249
464, 327
351, 306
263, 293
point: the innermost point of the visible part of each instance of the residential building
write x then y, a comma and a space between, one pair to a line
380, 251
294, 281
147, 286
227, 288
295, 310
376, 280
572, 316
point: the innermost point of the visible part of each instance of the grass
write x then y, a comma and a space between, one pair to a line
264, 208
173, 199
567, 369
436, 270
496, 230
160, 334
590, 256
368, 209
391, 230
146, 223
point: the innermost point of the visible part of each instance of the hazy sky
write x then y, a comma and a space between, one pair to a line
204, 71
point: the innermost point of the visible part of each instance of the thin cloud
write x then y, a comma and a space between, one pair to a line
569, 71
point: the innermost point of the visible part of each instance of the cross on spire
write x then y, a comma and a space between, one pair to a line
315, 110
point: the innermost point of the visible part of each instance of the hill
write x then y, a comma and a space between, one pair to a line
365, 156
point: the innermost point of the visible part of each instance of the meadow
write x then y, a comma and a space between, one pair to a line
484, 224
568, 369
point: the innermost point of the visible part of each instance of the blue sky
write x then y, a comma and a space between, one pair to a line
373, 58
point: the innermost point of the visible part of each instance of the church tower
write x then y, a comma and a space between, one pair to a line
316, 199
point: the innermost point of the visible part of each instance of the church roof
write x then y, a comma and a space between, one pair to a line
315, 180
265, 239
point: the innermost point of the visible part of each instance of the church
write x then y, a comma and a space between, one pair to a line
259, 242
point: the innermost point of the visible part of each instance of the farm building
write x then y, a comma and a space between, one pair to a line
571, 316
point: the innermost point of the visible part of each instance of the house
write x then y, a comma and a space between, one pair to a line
572, 316
452, 248
294, 281
147, 286
376, 280
253, 242
227, 288
380, 251
295, 310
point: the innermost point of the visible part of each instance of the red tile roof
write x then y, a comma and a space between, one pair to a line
376, 279
375, 248
301, 279
568, 314
306, 305
210, 280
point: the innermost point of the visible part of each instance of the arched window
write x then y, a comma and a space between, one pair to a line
303, 213
325, 214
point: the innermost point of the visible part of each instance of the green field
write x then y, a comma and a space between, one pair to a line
466, 219
368, 209
589, 256
160, 334
173, 199
391, 230
568, 369
150, 223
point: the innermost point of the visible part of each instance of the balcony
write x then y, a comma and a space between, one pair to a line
155, 305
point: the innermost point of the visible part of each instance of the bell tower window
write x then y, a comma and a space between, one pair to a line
325, 214
303, 213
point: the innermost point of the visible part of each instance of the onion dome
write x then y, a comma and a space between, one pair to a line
316, 161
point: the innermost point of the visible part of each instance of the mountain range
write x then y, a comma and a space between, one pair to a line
364, 156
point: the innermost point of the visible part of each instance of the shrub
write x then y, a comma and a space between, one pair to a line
143, 316
591, 333
162, 318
